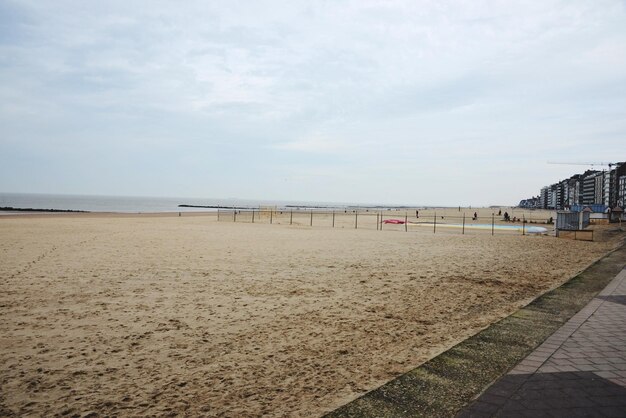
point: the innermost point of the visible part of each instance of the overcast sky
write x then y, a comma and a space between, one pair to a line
405, 102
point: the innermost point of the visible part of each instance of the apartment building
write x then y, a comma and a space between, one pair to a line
602, 189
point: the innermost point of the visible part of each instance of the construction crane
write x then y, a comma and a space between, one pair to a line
589, 164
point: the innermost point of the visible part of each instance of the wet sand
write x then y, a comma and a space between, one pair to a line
161, 315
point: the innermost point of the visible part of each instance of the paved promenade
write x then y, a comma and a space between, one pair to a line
579, 371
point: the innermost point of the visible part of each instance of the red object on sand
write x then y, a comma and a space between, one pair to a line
393, 221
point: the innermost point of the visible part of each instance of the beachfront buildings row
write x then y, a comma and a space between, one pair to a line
599, 190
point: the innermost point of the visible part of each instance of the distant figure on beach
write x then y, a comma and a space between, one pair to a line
417, 213
475, 216
506, 216
499, 212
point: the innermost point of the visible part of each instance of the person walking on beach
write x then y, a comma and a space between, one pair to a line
417, 213
475, 216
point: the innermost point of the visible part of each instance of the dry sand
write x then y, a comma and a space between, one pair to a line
150, 315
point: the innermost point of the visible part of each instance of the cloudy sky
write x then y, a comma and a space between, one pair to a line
405, 102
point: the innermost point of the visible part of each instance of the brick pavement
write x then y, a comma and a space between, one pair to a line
580, 370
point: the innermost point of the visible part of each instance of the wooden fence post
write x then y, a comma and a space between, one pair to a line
435, 224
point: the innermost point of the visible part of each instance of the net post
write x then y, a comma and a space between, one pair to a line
333, 218
493, 223
435, 223
356, 219
463, 230
406, 221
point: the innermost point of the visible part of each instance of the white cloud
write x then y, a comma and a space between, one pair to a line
315, 144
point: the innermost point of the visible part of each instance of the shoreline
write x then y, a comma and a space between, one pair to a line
94, 214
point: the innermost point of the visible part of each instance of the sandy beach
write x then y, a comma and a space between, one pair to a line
167, 316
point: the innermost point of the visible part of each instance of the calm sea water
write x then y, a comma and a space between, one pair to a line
135, 204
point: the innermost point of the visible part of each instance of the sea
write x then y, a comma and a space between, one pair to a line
135, 204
